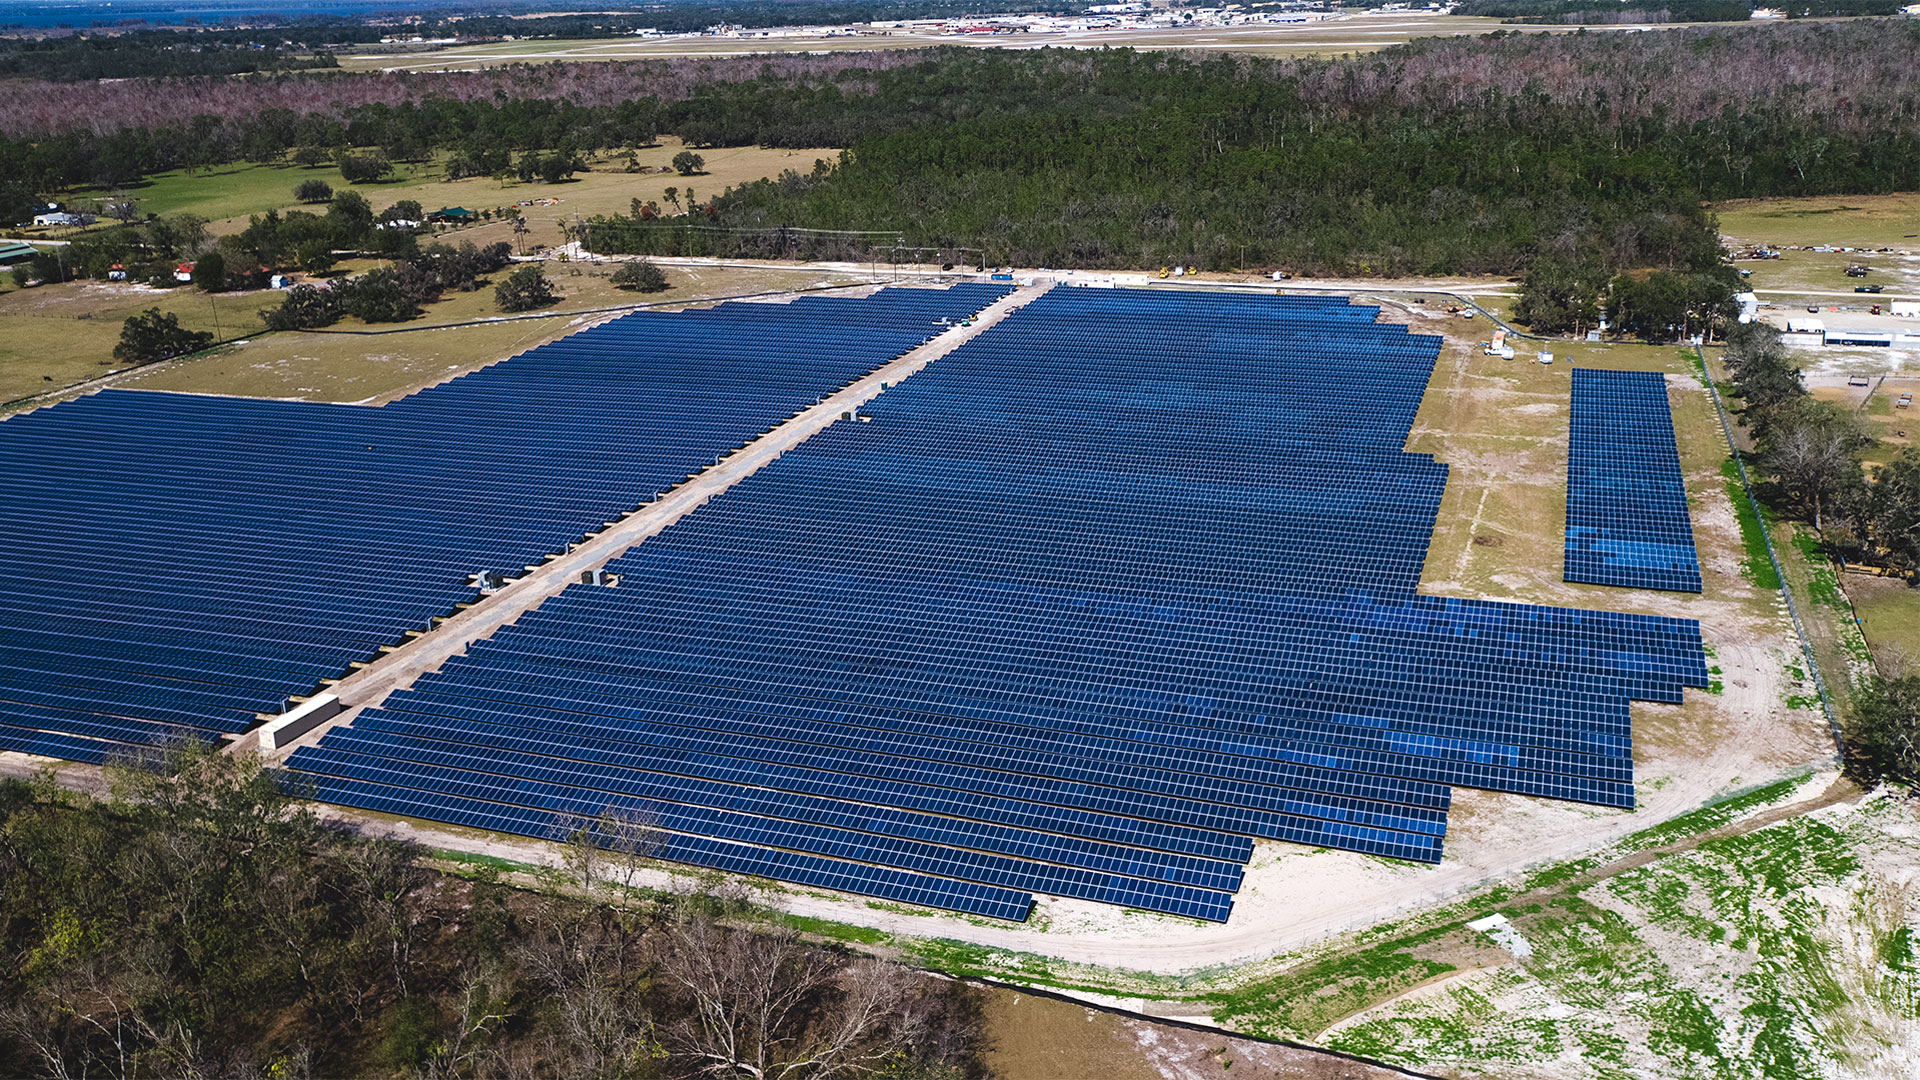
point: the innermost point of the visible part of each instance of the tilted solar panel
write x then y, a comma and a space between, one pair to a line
1627, 518
1118, 586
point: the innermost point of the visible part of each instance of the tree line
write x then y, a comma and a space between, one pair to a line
200, 921
1588, 154
1407, 162
1807, 458
148, 54
1808, 455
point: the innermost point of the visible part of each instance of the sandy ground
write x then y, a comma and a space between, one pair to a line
1853, 1014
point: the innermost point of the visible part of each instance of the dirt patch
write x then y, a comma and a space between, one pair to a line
1037, 1038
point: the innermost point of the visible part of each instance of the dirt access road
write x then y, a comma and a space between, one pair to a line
370, 685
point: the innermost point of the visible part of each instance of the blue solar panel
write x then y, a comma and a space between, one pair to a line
1082, 608
1626, 500
180, 563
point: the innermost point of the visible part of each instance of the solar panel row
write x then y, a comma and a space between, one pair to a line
1123, 583
181, 563
1626, 500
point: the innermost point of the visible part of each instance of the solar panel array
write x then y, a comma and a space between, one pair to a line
1082, 609
179, 563
1626, 501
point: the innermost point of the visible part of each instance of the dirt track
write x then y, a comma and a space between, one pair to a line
395, 670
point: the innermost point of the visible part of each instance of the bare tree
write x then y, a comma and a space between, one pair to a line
603, 1027
767, 1006
382, 874
1811, 450
468, 1042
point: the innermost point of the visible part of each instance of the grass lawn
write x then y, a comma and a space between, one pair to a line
229, 195
1890, 618
56, 335
1800, 278
1837, 220
349, 367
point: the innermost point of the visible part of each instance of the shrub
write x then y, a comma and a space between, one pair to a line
152, 336
306, 307
364, 168
404, 210
210, 272
377, 296
524, 290
349, 219
640, 275
316, 256
1883, 736
313, 191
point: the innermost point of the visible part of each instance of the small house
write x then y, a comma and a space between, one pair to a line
117, 272
183, 273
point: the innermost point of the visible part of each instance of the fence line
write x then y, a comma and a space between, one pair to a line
1766, 538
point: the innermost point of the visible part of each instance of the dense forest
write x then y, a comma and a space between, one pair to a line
201, 922
1581, 154
1594, 150
148, 54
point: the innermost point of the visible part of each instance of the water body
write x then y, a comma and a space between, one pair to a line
81, 14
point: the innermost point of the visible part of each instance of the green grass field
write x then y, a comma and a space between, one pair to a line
1890, 618
1838, 220
340, 366
229, 195
56, 335
235, 191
